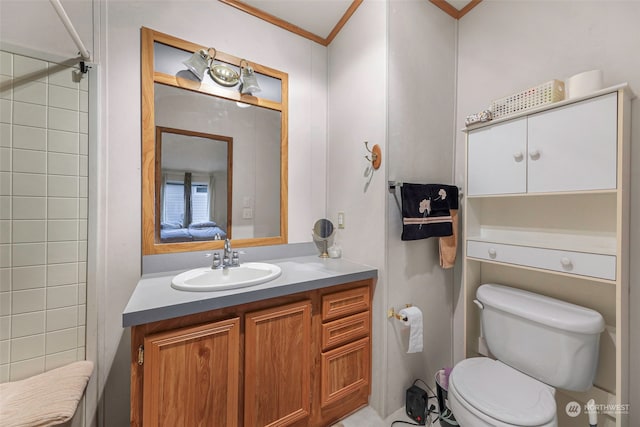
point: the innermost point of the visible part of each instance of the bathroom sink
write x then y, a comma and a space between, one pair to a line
207, 279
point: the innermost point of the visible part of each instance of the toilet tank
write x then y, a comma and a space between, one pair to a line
551, 340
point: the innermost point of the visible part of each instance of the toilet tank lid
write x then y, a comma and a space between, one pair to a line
541, 309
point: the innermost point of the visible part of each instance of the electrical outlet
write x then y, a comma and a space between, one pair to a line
340, 219
247, 213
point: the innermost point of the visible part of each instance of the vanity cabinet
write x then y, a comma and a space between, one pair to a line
297, 360
569, 148
547, 210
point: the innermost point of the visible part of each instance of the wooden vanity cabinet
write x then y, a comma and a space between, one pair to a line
297, 360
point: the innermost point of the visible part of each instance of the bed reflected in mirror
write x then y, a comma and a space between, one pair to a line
194, 185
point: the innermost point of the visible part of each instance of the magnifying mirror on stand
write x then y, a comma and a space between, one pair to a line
323, 231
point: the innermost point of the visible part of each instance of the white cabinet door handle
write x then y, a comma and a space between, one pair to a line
534, 154
492, 253
566, 262
518, 156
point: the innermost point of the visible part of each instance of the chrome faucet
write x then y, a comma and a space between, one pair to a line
227, 257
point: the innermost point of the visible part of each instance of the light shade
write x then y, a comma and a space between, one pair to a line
199, 62
248, 78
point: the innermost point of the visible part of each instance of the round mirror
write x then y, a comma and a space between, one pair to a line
322, 231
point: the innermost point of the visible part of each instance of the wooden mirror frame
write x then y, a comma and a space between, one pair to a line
150, 237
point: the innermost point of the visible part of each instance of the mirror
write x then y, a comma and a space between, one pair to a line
322, 232
214, 161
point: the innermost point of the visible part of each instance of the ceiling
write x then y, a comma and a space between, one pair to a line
321, 20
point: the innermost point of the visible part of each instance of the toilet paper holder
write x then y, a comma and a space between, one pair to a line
392, 313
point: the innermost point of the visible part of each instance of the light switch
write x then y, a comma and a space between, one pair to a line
340, 219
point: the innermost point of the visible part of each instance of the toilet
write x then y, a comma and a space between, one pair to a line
539, 343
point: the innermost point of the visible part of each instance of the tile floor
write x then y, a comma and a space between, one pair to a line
368, 417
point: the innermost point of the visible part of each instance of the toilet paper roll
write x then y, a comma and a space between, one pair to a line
584, 83
414, 321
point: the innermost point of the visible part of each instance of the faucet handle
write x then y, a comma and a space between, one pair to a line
216, 261
235, 259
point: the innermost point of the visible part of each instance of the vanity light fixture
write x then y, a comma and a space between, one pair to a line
248, 79
199, 62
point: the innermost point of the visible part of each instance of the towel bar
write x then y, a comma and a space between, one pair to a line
392, 189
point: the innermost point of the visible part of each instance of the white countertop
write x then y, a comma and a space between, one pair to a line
154, 299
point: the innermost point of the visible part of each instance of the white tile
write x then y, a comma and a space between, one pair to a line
6, 63
82, 293
64, 340
34, 69
83, 208
63, 142
26, 114
29, 207
4, 373
5, 303
82, 229
5, 326
62, 97
29, 161
62, 252
82, 250
5, 135
62, 296
62, 230
62, 318
5, 207
82, 271
62, 274
62, 186
29, 277
26, 368
5, 188
5, 256
84, 144
62, 164
83, 187
5, 355
84, 101
6, 87
82, 315
5, 159
5, 232
5, 279
6, 111
84, 166
29, 231
26, 254
57, 360
31, 92
63, 76
27, 347
81, 353
29, 184
82, 336
84, 123
27, 301
30, 138
58, 208
66, 120
26, 324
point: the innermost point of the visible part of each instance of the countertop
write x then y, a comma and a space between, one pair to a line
154, 299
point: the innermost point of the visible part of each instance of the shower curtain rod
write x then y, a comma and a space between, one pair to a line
69, 26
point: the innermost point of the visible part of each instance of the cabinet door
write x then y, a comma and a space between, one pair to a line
345, 371
191, 376
496, 159
278, 359
574, 147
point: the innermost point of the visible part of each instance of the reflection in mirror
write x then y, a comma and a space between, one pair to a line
194, 187
322, 232
183, 194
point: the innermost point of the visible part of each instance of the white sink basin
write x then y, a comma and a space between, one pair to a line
206, 279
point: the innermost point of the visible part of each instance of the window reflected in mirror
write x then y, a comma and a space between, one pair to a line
194, 186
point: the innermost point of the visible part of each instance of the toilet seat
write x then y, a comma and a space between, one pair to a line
485, 389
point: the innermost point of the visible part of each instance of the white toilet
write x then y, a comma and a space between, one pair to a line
540, 343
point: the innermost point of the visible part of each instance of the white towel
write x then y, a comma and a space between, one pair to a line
45, 399
414, 321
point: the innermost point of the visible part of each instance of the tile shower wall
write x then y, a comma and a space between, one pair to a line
43, 215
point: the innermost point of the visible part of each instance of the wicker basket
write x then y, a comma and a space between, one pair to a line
543, 94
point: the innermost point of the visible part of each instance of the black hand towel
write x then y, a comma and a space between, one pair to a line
426, 210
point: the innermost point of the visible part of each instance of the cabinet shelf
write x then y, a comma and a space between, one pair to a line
546, 194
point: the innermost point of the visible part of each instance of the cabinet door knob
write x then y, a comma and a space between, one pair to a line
518, 156
492, 253
534, 154
566, 262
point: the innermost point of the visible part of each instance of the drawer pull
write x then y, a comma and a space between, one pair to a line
492, 253
534, 154
566, 262
518, 156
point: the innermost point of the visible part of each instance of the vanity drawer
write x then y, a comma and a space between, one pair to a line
580, 263
342, 331
340, 304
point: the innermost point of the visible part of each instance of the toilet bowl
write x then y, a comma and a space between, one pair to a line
539, 343
486, 392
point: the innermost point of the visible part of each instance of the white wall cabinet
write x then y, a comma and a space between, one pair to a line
547, 210
570, 148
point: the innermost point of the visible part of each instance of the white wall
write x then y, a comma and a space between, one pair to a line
505, 47
357, 113
420, 150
